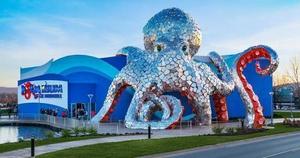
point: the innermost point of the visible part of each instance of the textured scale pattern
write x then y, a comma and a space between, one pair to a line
171, 40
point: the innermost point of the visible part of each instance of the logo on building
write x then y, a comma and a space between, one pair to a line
36, 91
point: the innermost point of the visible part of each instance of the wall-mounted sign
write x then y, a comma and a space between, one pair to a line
53, 92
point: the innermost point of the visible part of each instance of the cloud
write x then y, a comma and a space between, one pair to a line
38, 40
33, 38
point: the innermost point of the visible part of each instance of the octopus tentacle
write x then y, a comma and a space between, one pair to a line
132, 53
153, 105
122, 81
204, 109
221, 107
219, 97
176, 109
225, 86
115, 90
250, 99
166, 102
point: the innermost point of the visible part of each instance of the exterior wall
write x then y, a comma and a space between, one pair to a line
89, 75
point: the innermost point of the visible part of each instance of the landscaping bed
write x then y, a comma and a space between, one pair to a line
291, 123
232, 131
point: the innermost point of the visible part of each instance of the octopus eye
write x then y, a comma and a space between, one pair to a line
158, 48
184, 48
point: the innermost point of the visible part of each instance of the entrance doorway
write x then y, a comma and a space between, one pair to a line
82, 111
77, 110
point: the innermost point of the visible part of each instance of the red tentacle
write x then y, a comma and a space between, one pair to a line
221, 107
114, 103
220, 104
249, 56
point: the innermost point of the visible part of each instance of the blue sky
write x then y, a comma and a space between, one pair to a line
33, 32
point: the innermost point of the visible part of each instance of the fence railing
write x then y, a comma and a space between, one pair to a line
108, 127
55, 121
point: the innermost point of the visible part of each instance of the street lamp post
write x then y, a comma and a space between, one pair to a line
90, 107
40, 107
272, 106
291, 105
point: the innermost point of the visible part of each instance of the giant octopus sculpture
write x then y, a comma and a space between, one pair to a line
171, 40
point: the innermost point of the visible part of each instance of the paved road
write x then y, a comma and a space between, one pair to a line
283, 146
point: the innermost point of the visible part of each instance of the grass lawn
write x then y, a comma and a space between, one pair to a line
14, 146
155, 146
286, 114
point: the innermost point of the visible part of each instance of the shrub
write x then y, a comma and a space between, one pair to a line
49, 134
83, 130
20, 139
76, 131
285, 121
297, 124
66, 133
292, 123
217, 130
230, 130
92, 131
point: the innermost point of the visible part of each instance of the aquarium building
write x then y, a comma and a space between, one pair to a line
79, 83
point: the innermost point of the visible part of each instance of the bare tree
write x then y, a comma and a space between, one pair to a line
294, 74
280, 79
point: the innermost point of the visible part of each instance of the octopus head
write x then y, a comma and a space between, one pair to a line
172, 30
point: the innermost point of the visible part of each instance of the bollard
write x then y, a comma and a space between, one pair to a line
118, 128
242, 123
181, 123
149, 131
32, 147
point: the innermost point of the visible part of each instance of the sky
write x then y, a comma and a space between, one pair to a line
33, 31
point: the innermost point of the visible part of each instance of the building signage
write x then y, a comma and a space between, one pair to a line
47, 91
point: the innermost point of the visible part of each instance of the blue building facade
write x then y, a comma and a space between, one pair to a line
64, 85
